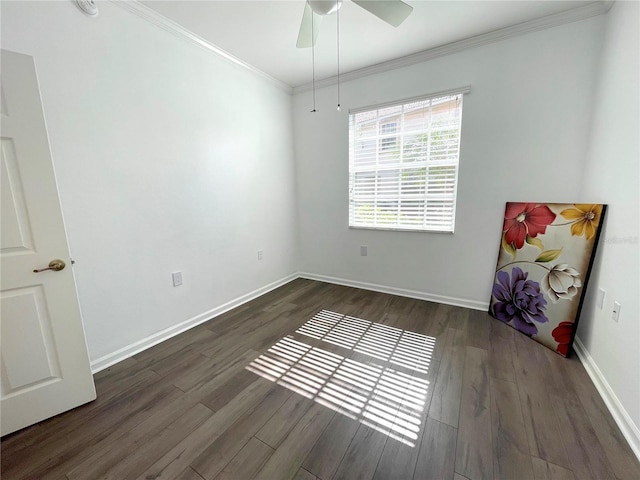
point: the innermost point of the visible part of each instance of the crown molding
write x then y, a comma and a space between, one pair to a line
162, 22
584, 12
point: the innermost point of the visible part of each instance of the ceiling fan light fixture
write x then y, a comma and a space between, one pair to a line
325, 7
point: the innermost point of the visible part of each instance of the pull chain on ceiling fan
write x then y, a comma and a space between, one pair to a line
394, 12
338, 4
313, 68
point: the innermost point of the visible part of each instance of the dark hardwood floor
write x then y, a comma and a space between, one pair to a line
318, 381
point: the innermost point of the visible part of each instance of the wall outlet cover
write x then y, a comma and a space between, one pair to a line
615, 314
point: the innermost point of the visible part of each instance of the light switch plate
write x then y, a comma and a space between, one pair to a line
600, 298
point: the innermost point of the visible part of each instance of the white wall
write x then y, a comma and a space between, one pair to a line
168, 158
523, 139
151, 138
612, 176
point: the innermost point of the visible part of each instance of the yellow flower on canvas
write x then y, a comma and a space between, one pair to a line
587, 218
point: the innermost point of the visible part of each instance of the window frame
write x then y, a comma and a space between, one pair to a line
383, 128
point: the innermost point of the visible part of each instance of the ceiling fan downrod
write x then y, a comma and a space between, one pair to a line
325, 7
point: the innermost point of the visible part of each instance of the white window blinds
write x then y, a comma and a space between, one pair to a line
403, 164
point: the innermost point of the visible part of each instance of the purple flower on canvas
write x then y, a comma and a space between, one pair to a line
519, 301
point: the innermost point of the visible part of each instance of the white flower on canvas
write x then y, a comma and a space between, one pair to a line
562, 281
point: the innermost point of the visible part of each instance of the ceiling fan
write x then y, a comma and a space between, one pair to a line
394, 12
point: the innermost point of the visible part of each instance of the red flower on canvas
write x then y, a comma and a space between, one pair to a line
562, 334
522, 220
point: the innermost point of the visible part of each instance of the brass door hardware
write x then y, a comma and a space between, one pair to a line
55, 265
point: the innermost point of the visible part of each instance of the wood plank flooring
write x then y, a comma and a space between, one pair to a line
315, 381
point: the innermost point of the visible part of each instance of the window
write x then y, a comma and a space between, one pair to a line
388, 138
403, 164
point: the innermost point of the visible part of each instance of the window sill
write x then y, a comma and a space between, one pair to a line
399, 229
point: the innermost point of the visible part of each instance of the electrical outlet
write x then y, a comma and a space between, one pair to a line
615, 314
363, 250
259, 254
600, 298
177, 278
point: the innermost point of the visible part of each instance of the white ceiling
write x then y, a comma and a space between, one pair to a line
264, 33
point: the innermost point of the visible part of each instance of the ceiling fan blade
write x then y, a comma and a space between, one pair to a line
394, 12
305, 39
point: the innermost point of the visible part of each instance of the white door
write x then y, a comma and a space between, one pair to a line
45, 365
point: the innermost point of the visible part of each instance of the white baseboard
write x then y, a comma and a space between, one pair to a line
122, 354
620, 416
430, 297
148, 342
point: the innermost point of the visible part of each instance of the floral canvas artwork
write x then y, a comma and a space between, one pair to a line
546, 254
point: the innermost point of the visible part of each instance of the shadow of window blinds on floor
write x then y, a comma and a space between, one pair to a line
386, 393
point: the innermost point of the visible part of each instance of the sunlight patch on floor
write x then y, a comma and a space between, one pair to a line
387, 394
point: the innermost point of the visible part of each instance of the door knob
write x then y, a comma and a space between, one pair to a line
55, 265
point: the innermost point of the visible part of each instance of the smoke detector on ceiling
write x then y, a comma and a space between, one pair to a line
88, 6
